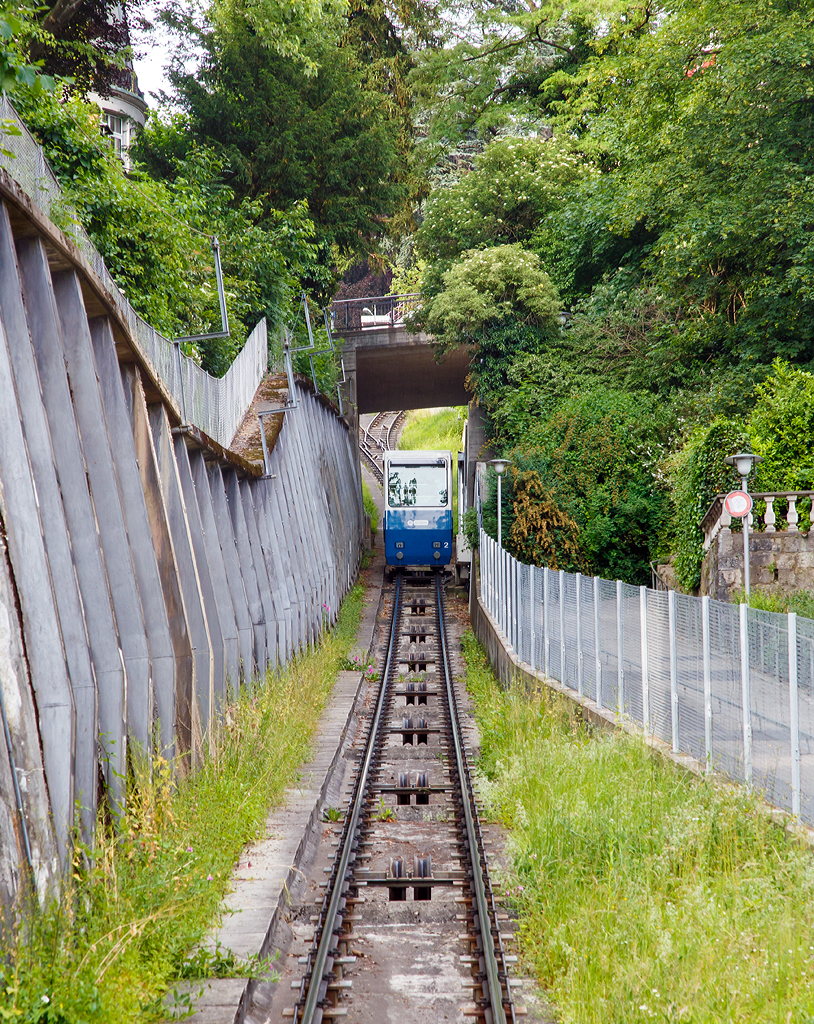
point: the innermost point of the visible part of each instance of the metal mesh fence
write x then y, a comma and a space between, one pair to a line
725, 684
216, 405
609, 648
587, 647
689, 676
674, 664
658, 663
769, 692
805, 713
632, 653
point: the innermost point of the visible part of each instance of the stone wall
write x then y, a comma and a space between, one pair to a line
782, 561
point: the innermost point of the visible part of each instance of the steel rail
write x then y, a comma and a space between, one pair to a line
364, 449
392, 427
361, 788
472, 833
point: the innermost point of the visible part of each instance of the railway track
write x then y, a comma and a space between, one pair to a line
410, 834
380, 436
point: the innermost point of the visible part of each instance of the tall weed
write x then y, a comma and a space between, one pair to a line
643, 893
137, 905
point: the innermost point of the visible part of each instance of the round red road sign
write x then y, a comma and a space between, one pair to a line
738, 504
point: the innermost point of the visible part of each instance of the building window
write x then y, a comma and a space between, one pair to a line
118, 131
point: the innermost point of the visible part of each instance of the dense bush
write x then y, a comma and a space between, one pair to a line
587, 480
698, 472
489, 287
781, 429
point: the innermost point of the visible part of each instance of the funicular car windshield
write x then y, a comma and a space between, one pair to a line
423, 486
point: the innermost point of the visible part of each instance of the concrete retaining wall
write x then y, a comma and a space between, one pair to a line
145, 572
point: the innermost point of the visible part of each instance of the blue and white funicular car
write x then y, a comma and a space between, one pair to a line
418, 509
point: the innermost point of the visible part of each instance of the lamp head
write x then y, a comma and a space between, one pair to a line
743, 462
500, 465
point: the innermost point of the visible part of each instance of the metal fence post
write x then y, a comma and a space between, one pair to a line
493, 573
501, 602
794, 721
516, 605
562, 627
746, 697
181, 396
597, 644
671, 629
493, 556
507, 595
532, 630
485, 574
620, 653
705, 643
545, 621
645, 676
499, 585
578, 587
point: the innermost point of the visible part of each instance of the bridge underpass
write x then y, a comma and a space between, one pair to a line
388, 367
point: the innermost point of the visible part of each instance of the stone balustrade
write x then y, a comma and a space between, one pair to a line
717, 519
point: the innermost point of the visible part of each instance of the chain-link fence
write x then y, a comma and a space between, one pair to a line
216, 405
731, 685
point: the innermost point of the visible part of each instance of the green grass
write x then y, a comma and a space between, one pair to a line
128, 925
800, 601
429, 430
643, 893
370, 507
433, 430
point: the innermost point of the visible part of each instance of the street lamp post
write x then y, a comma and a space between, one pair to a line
500, 466
743, 463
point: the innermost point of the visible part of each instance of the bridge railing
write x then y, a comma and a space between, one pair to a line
374, 311
731, 685
216, 405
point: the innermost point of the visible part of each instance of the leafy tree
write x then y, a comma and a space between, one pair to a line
515, 184
706, 126
487, 287
155, 238
499, 57
17, 73
83, 42
325, 136
284, 29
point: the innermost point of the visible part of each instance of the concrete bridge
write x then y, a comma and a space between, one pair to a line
386, 365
